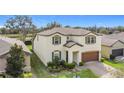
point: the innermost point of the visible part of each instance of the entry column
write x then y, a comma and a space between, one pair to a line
79, 57
70, 57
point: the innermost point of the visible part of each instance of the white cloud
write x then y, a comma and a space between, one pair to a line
1, 26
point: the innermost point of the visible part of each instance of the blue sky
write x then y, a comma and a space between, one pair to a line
75, 20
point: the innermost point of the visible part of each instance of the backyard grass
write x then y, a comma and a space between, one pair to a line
115, 65
29, 47
17, 36
14, 35
39, 70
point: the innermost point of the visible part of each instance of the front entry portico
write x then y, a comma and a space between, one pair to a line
73, 53
73, 56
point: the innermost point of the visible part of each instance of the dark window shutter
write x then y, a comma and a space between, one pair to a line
60, 40
52, 56
52, 40
60, 54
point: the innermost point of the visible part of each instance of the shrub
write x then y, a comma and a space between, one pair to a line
75, 63
102, 59
26, 75
81, 63
57, 65
70, 65
62, 62
112, 57
50, 64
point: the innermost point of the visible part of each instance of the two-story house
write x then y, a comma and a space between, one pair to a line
71, 45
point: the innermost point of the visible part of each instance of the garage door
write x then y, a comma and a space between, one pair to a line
117, 52
90, 56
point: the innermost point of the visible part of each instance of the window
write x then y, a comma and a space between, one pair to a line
56, 40
56, 54
90, 39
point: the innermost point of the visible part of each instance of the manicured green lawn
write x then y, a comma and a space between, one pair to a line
40, 71
115, 65
82, 74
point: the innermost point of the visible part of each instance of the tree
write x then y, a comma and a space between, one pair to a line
33, 30
103, 30
120, 28
2, 30
77, 27
53, 24
67, 26
22, 24
15, 63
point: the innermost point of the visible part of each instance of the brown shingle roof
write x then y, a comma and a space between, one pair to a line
6, 43
65, 31
69, 44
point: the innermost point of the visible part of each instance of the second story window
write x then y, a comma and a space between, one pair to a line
90, 39
56, 40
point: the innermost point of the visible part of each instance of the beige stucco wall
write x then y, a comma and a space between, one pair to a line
2, 64
107, 51
44, 47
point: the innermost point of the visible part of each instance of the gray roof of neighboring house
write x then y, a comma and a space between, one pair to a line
109, 40
69, 44
65, 31
6, 43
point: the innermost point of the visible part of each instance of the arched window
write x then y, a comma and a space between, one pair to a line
56, 54
56, 40
90, 39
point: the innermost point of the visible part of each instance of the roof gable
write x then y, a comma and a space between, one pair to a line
109, 42
65, 31
69, 44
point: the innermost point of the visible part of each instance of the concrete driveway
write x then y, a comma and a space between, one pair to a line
99, 68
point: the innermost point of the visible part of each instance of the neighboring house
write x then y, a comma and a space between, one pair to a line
113, 45
71, 45
5, 45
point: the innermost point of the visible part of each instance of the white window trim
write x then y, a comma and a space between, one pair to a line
89, 38
57, 39
57, 53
